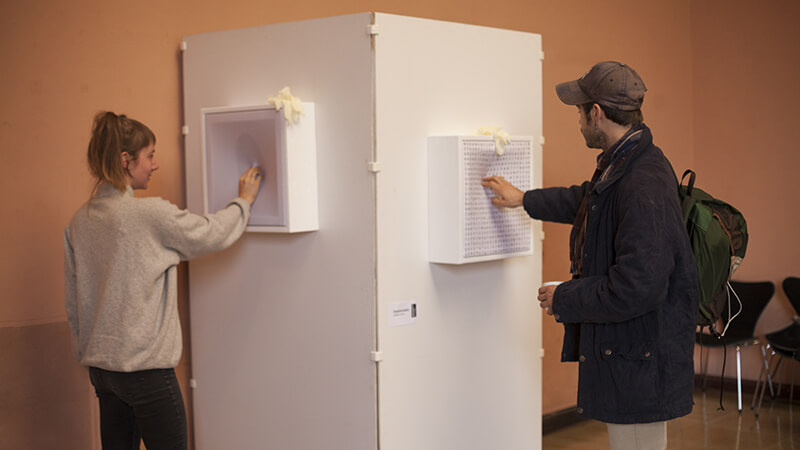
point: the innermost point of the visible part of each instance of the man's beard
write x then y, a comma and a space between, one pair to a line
593, 136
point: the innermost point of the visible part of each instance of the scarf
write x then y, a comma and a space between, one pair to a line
606, 163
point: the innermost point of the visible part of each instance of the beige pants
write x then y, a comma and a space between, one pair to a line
638, 436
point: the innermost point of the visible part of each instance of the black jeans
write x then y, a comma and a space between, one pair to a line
140, 405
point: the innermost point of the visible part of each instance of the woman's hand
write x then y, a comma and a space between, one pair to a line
249, 183
505, 194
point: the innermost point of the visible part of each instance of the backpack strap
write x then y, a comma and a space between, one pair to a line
688, 200
690, 186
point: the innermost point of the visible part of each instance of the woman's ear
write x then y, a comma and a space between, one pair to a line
124, 159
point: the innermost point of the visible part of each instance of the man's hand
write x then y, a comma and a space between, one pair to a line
546, 293
505, 194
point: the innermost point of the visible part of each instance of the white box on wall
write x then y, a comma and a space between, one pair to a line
238, 137
464, 226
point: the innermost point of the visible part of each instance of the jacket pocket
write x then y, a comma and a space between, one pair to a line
630, 381
631, 351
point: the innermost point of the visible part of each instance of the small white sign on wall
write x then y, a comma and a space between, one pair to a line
403, 313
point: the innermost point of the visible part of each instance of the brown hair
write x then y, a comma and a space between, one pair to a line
617, 116
111, 135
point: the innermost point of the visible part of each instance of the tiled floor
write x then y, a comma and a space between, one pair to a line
778, 427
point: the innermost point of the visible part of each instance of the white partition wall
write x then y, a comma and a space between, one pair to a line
282, 324
467, 374
285, 327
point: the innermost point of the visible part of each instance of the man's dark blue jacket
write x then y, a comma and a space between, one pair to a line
630, 318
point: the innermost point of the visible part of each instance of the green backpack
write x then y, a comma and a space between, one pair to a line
718, 236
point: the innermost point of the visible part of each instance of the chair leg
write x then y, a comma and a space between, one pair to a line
791, 390
704, 363
769, 378
775, 373
760, 399
768, 381
760, 377
739, 376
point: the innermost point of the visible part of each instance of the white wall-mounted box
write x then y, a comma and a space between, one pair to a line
238, 137
464, 226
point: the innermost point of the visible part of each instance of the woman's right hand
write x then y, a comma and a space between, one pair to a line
249, 184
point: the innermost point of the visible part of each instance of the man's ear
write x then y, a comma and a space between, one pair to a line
597, 112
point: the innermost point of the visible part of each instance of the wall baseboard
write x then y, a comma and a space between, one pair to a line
748, 387
561, 419
713, 382
569, 416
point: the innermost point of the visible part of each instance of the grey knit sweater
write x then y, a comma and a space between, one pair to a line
121, 255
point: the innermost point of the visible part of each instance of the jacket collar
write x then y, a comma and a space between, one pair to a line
642, 139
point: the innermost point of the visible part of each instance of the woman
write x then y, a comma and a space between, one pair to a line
121, 259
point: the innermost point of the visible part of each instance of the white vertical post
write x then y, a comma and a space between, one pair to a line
739, 375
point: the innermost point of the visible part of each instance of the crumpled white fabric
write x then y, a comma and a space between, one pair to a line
291, 105
501, 138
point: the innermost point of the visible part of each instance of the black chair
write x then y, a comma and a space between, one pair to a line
754, 297
784, 343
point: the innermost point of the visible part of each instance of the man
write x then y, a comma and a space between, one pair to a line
629, 311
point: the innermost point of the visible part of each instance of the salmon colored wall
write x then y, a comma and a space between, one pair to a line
64, 61
746, 94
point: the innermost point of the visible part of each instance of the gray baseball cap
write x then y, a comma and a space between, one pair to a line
608, 83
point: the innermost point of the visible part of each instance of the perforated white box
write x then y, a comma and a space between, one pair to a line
238, 137
464, 226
